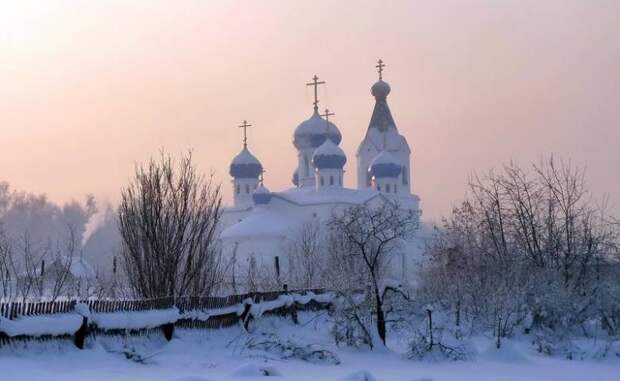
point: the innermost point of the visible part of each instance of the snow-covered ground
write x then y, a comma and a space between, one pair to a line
222, 355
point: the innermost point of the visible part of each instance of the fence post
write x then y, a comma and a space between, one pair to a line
168, 329
80, 336
293, 307
245, 315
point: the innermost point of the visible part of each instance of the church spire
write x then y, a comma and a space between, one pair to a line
381, 116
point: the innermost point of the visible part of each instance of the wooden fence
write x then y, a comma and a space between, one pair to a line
16, 310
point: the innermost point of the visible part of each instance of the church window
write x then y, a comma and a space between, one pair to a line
331, 180
405, 171
387, 188
238, 189
379, 187
340, 180
395, 188
322, 181
247, 188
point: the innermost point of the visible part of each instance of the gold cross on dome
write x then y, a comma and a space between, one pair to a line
327, 114
380, 65
315, 82
245, 126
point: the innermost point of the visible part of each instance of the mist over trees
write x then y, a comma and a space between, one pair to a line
39, 238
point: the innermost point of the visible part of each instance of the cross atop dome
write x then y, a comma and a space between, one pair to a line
326, 116
315, 82
380, 65
245, 126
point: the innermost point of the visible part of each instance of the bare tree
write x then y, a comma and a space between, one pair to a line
168, 219
305, 255
372, 236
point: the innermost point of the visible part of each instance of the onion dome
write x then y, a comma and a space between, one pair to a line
312, 132
385, 165
380, 89
261, 195
245, 166
295, 178
329, 156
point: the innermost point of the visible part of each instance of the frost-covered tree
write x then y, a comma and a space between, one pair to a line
168, 219
363, 241
526, 248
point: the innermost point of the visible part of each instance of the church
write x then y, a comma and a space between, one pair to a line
258, 227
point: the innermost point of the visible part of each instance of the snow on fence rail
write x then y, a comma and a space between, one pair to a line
77, 319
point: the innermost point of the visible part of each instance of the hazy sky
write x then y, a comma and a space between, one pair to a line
88, 88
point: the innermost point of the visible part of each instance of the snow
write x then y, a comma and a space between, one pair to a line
135, 319
245, 157
362, 375
204, 315
253, 370
219, 355
262, 222
54, 325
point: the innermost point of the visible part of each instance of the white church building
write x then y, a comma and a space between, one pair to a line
258, 226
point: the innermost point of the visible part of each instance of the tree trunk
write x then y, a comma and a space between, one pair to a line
430, 329
381, 330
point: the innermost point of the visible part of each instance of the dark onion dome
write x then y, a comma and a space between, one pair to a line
245, 166
380, 89
385, 165
261, 195
295, 178
329, 156
311, 133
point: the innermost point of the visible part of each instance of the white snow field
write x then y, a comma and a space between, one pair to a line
223, 355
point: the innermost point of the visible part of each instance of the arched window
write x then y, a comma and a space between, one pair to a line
395, 188
340, 180
238, 189
331, 180
387, 188
247, 188
322, 181
379, 187
405, 175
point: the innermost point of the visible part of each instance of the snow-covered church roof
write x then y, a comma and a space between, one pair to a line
245, 165
261, 222
385, 165
329, 156
312, 132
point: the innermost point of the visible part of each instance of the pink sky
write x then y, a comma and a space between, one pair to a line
87, 89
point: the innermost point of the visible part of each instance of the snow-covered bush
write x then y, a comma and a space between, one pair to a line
443, 346
287, 349
353, 324
528, 252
